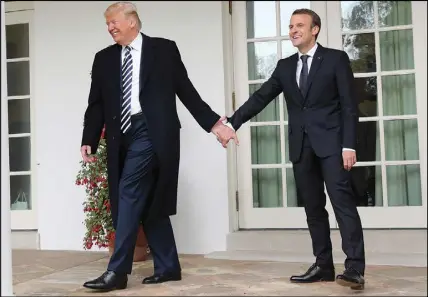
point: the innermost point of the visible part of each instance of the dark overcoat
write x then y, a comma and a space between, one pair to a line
163, 76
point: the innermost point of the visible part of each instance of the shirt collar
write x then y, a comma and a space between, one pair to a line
136, 43
311, 52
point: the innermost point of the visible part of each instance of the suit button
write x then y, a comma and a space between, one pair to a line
114, 117
304, 108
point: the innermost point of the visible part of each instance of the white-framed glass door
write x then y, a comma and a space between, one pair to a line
267, 193
386, 43
20, 116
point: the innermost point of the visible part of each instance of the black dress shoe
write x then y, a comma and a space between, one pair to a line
108, 281
161, 278
351, 278
314, 274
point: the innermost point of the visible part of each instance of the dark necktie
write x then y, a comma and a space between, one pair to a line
304, 75
126, 90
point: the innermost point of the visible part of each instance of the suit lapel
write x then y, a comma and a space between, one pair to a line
316, 63
146, 60
117, 74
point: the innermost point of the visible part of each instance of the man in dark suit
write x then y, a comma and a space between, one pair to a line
317, 83
133, 93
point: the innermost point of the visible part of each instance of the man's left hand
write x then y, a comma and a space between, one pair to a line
349, 159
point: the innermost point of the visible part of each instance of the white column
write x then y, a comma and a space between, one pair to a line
6, 251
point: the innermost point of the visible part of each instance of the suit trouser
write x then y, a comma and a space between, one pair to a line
310, 173
135, 189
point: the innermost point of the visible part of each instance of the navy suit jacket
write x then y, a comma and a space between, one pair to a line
327, 113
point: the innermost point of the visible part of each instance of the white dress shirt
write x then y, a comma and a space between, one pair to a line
310, 55
136, 58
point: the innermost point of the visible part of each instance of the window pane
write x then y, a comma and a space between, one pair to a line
401, 140
20, 192
267, 188
368, 141
17, 41
396, 50
19, 116
19, 154
270, 112
361, 51
366, 182
357, 15
366, 94
399, 94
261, 19
404, 185
287, 142
395, 13
18, 78
262, 59
286, 9
293, 198
287, 49
265, 145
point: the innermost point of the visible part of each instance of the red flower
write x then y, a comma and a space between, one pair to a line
96, 205
103, 132
110, 235
89, 245
97, 228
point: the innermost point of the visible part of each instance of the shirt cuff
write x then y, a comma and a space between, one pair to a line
225, 122
347, 149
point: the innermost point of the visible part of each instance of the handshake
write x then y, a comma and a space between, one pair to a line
224, 132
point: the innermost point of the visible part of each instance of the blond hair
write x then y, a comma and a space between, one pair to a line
128, 8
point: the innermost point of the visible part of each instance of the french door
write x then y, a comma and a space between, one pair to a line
267, 193
20, 99
386, 42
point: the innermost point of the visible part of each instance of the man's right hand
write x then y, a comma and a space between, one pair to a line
224, 133
85, 150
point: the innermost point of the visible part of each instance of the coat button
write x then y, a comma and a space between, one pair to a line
114, 117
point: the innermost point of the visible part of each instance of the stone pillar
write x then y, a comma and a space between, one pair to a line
6, 251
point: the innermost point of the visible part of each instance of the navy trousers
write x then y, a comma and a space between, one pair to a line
310, 173
135, 187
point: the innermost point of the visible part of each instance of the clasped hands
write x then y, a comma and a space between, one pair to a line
224, 133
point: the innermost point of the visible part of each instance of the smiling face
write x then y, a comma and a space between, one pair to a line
302, 32
121, 28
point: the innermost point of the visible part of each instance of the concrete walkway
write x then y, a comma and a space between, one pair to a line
60, 273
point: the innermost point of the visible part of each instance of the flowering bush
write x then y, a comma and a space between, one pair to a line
98, 220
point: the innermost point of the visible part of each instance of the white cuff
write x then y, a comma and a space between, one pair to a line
225, 122
347, 149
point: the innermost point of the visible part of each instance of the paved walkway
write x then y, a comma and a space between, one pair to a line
52, 273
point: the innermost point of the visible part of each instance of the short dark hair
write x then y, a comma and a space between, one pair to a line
316, 20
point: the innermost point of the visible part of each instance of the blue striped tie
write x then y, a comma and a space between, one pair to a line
126, 90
